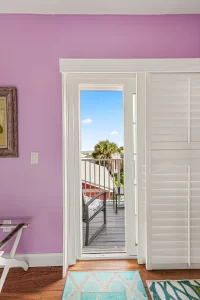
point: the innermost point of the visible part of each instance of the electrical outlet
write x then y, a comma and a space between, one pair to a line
7, 229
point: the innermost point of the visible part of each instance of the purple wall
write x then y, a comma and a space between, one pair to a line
30, 48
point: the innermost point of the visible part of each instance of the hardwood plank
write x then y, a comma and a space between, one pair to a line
51, 295
22, 280
89, 265
20, 296
47, 283
48, 297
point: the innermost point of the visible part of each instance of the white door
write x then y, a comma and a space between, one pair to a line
72, 84
173, 170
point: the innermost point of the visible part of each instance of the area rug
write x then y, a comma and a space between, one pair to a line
174, 290
104, 286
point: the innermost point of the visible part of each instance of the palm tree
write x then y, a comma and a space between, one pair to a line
104, 150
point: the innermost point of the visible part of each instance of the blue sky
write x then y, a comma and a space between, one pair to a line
101, 118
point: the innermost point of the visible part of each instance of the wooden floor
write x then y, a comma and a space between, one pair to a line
112, 237
47, 283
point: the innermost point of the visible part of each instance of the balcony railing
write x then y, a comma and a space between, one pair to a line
101, 175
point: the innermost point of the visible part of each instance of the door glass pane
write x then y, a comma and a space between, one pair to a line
102, 145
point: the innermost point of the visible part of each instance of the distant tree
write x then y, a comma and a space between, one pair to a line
104, 150
121, 173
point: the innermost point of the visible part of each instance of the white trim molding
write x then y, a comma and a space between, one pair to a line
128, 65
41, 259
89, 7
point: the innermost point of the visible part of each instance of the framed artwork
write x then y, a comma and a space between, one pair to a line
8, 122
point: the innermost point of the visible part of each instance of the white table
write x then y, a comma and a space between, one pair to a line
10, 261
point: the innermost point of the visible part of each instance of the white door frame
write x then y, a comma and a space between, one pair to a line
137, 66
75, 83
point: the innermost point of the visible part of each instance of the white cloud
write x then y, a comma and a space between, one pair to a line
87, 121
114, 132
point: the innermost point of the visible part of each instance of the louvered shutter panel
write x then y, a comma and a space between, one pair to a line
173, 170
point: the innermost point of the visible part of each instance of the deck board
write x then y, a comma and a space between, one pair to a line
112, 237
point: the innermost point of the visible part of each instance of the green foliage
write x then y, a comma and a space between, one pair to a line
104, 150
121, 175
1, 129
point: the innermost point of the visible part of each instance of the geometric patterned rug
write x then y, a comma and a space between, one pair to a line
104, 286
174, 290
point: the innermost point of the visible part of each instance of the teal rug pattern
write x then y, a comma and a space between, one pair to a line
174, 290
103, 296
104, 286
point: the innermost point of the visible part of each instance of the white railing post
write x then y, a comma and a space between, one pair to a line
99, 176
118, 179
109, 180
90, 177
104, 175
85, 178
95, 179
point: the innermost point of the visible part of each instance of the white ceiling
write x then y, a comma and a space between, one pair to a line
142, 7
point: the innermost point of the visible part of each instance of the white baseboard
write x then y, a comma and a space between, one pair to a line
41, 260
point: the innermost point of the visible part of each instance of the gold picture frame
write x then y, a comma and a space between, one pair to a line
8, 122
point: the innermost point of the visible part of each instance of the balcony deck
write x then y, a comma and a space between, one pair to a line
112, 237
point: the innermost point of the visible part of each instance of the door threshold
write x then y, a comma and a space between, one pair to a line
95, 251
99, 256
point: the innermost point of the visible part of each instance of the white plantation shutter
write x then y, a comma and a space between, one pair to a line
175, 111
173, 170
